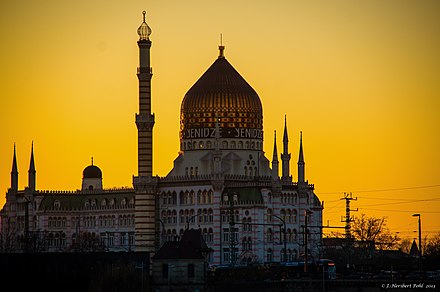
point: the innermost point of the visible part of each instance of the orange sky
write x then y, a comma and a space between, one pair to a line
359, 78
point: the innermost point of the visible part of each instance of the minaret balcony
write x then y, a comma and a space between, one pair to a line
144, 70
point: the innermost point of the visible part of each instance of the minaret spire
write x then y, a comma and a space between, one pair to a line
301, 163
285, 156
275, 165
14, 172
32, 171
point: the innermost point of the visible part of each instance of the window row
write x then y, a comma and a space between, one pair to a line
254, 145
103, 221
187, 216
107, 203
286, 216
56, 222
187, 198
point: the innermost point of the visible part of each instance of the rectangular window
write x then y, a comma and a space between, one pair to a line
191, 271
165, 271
123, 239
226, 257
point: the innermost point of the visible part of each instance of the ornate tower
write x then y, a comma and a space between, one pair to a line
144, 183
14, 173
32, 171
285, 156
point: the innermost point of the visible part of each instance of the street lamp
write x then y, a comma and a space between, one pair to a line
284, 233
420, 236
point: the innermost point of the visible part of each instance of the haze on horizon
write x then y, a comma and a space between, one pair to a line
359, 78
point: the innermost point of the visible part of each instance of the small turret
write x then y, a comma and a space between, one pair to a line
32, 171
14, 173
275, 165
285, 156
301, 163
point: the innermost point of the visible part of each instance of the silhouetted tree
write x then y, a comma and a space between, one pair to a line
373, 230
432, 248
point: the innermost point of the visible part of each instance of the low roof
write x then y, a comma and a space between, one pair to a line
191, 246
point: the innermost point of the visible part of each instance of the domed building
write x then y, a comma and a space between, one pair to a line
221, 183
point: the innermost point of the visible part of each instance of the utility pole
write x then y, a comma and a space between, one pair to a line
348, 219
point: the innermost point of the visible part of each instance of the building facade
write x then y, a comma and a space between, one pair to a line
222, 183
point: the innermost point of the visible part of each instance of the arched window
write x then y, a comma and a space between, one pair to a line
210, 235
174, 216
204, 197
199, 216
199, 197
181, 198
205, 216
181, 217
210, 197
174, 196
191, 197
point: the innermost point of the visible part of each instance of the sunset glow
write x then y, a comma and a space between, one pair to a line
360, 79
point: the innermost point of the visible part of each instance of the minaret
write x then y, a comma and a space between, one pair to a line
301, 163
285, 156
32, 172
275, 168
145, 119
14, 173
146, 227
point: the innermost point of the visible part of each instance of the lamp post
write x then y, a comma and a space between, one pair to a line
420, 239
284, 233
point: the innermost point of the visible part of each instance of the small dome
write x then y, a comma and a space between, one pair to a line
92, 171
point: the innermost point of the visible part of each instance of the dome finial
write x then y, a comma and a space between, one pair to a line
221, 47
144, 31
92, 160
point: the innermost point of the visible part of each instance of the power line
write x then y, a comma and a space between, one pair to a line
403, 202
401, 211
390, 199
386, 190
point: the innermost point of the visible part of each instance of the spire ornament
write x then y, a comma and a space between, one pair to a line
221, 48
144, 31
